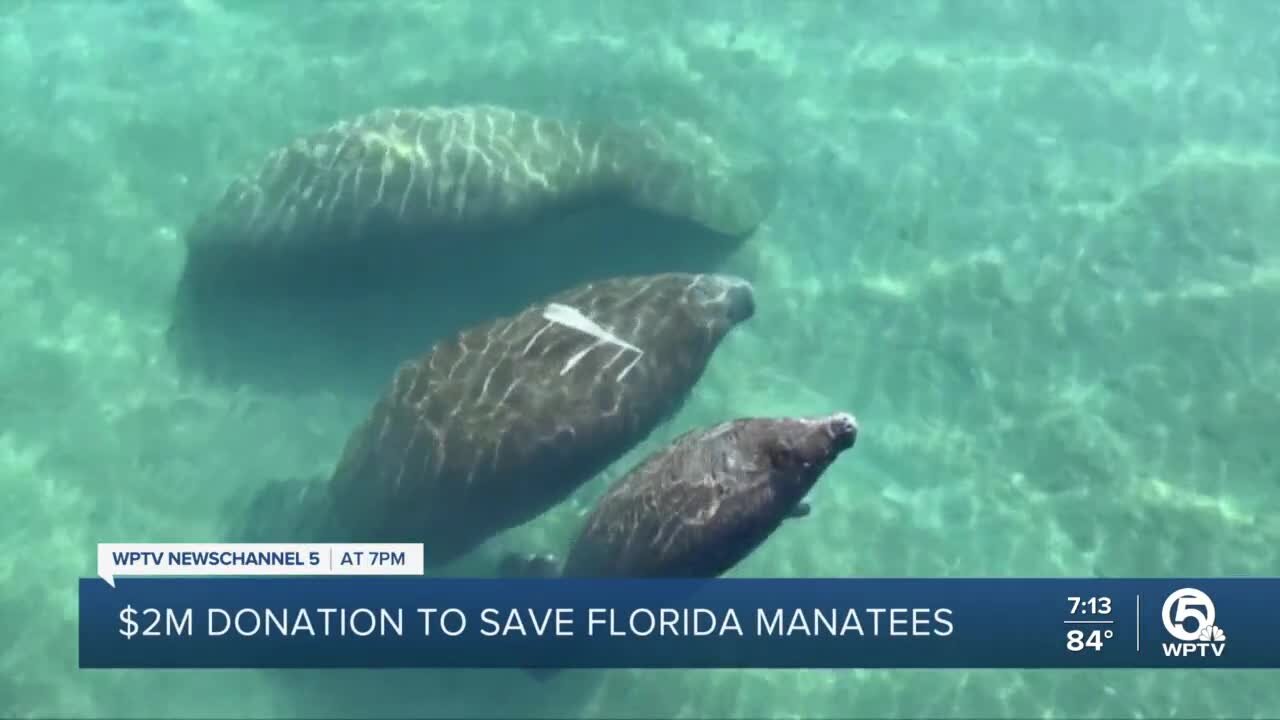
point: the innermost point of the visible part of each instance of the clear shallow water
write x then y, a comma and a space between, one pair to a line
1030, 244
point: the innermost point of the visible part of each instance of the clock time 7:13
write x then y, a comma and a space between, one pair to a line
1090, 605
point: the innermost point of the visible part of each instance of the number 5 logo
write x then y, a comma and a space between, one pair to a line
1183, 605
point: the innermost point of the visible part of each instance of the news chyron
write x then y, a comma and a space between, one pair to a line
371, 605
256, 559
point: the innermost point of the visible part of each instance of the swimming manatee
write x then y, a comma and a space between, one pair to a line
362, 243
702, 504
500, 423
699, 506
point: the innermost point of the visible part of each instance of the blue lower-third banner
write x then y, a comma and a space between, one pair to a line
300, 622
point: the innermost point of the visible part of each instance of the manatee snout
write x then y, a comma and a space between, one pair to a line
732, 294
803, 458
741, 298
843, 429
806, 447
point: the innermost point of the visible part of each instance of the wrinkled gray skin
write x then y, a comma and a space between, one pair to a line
700, 506
505, 420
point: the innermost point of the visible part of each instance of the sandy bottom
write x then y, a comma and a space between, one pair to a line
1033, 251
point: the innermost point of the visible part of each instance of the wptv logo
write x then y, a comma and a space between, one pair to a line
1189, 616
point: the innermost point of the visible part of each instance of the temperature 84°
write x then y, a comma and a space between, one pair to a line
1078, 640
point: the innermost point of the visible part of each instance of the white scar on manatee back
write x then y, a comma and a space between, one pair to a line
571, 317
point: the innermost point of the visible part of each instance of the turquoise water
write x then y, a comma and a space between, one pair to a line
1031, 244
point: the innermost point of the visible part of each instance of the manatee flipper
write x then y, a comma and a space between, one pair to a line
802, 509
529, 565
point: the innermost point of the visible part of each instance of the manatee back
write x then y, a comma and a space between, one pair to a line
704, 503
671, 516
395, 229
403, 184
399, 180
494, 427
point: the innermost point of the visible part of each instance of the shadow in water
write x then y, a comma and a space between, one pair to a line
344, 324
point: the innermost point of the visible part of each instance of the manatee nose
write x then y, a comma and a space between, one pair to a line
843, 428
740, 298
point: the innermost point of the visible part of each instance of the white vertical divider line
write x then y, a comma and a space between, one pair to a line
1137, 619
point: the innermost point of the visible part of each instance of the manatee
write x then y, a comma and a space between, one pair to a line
699, 506
493, 427
393, 229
